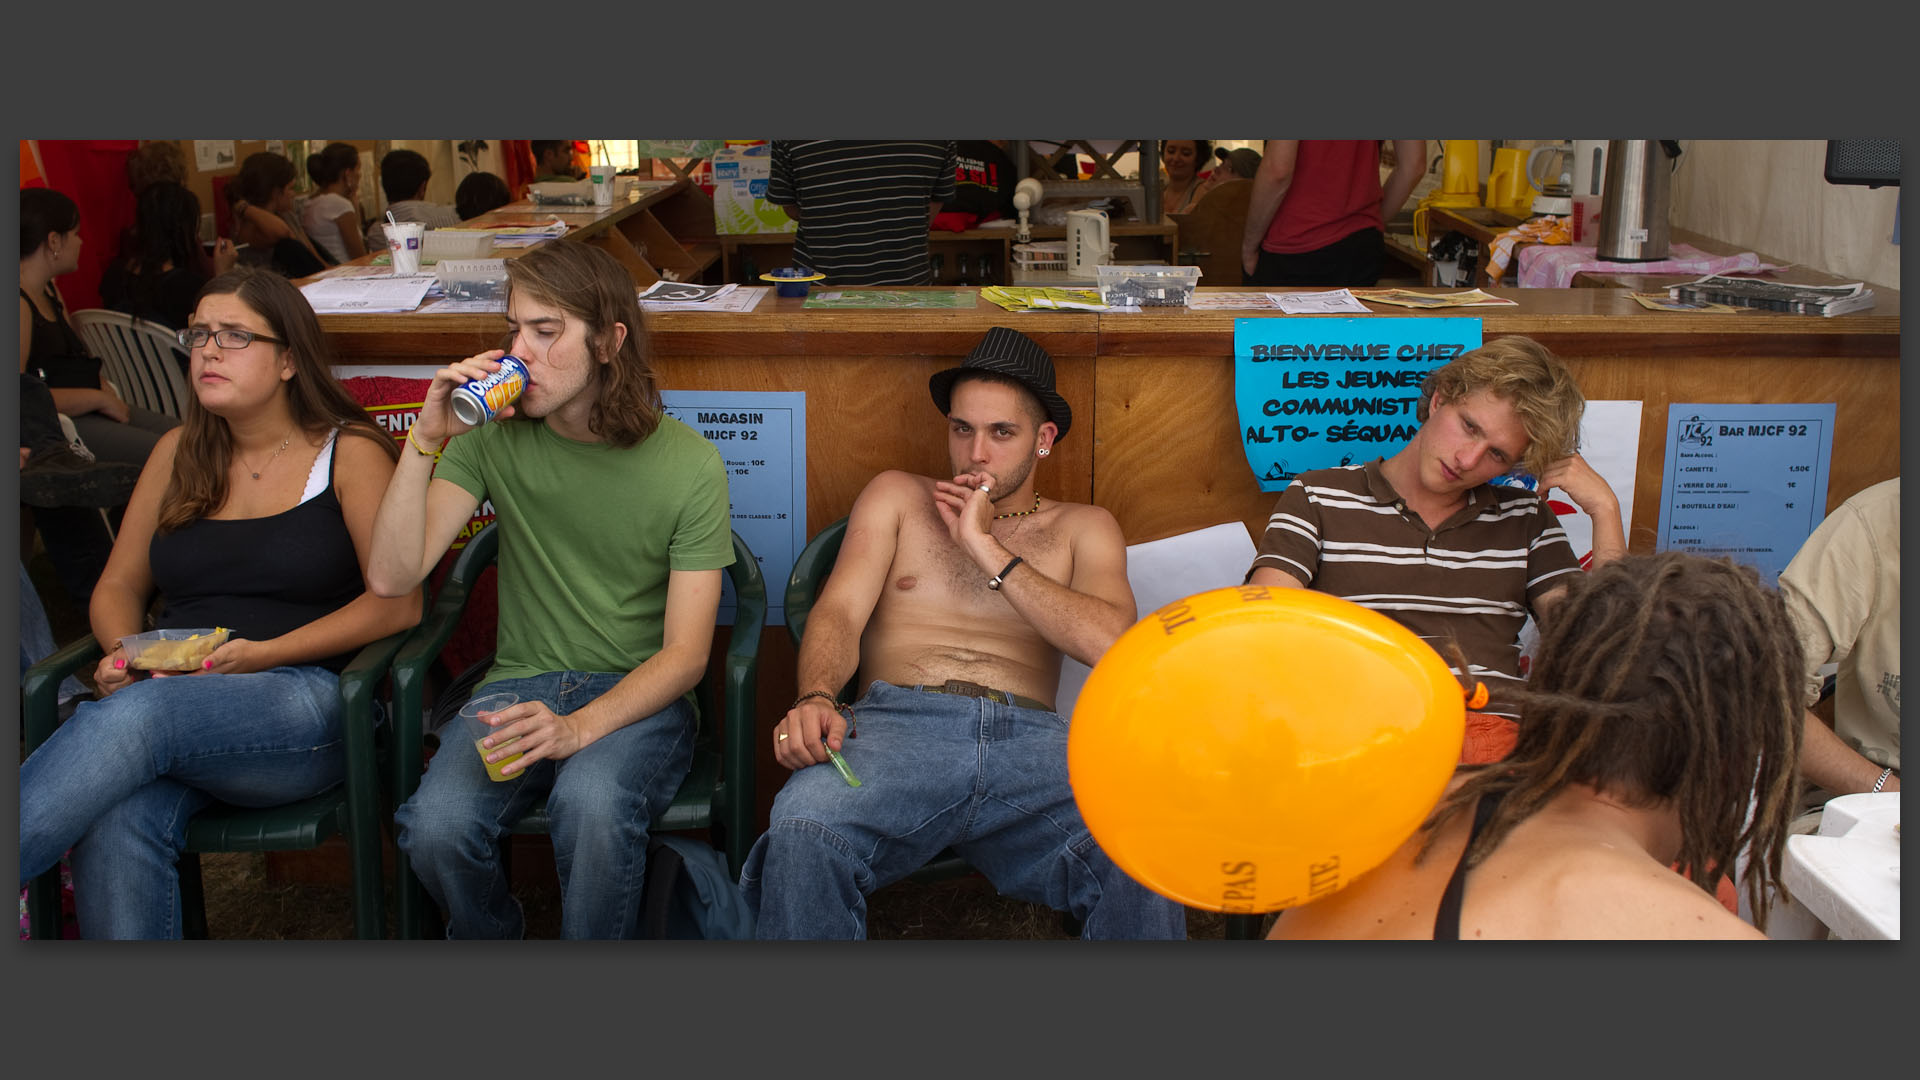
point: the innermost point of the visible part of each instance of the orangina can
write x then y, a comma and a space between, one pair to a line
479, 401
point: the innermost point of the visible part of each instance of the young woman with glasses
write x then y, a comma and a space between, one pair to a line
254, 516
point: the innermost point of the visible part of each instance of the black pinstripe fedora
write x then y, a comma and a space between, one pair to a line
1008, 352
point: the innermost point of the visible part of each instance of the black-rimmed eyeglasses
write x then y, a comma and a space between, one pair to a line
195, 337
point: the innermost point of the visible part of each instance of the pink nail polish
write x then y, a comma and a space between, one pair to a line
120, 663
206, 665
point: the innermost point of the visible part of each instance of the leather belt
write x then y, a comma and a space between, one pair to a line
967, 689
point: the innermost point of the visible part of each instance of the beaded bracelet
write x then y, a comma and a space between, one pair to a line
840, 707
1882, 782
816, 694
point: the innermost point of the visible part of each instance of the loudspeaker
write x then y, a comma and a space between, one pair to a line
1873, 162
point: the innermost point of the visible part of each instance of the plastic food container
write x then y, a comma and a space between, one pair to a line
1147, 286
173, 650
562, 192
472, 279
456, 244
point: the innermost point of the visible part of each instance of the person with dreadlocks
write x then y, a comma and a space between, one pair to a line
1663, 708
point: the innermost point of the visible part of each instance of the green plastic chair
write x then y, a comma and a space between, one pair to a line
810, 570
718, 792
351, 809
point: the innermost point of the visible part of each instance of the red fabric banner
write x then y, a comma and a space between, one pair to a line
93, 173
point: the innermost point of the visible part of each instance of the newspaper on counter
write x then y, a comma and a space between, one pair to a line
1659, 301
728, 297
1826, 300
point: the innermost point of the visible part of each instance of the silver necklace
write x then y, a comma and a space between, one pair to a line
270, 457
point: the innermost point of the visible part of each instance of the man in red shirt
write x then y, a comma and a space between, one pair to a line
1318, 210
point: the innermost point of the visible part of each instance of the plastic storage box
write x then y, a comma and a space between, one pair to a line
173, 650
472, 279
1147, 286
456, 244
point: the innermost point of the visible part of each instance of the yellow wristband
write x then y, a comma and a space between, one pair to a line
416, 445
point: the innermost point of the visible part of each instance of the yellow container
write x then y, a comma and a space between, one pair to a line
1507, 187
1460, 169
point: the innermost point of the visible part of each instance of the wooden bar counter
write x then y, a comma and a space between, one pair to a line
1154, 437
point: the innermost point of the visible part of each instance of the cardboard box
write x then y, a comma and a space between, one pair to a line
740, 193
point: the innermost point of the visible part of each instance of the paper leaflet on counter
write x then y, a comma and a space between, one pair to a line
1409, 298
1022, 298
1230, 301
386, 292
1330, 302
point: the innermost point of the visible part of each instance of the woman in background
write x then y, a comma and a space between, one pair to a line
1182, 160
330, 216
262, 199
161, 275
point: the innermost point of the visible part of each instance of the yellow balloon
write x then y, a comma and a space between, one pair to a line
1256, 748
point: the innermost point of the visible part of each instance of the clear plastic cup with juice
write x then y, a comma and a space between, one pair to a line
472, 713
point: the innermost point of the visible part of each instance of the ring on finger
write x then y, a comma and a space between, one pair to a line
783, 737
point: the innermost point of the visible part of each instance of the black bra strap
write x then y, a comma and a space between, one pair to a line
1446, 921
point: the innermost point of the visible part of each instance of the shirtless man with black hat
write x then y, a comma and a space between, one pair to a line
954, 599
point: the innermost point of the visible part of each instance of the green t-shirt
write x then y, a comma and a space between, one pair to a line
588, 534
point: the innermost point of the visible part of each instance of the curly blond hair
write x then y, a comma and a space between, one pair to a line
1521, 372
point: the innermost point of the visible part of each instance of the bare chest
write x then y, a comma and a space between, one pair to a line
929, 568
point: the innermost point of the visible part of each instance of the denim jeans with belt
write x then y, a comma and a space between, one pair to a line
941, 770
118, 782
599, 804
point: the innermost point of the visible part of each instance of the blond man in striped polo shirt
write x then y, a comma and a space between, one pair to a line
1425, 538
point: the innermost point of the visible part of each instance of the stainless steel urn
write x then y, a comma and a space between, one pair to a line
1636, 198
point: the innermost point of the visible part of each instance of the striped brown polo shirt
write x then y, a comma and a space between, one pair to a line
1346, 532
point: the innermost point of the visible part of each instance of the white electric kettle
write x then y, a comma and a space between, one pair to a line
1087, 241
1589, 167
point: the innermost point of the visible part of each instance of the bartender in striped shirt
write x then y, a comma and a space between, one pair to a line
1424, 538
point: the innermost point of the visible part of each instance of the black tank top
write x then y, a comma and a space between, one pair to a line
1446, 921
57, 354
260, 577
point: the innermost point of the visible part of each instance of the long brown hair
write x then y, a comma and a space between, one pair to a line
1665, 677
592, 286
317, 400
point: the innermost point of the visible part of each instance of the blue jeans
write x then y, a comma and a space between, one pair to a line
599, 802
118, 782
36, 636
936, 771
